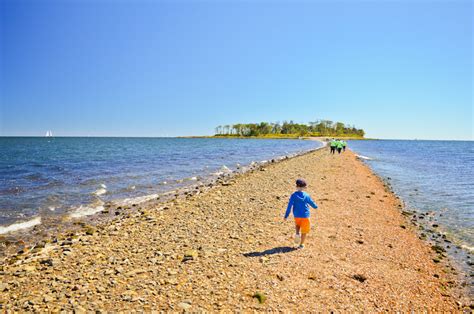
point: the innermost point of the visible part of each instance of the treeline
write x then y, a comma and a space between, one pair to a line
317, 128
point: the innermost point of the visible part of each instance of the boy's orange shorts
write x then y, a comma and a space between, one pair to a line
304, 224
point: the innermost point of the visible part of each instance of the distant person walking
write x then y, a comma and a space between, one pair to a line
344, 144
339, 146
333, 145
299, 202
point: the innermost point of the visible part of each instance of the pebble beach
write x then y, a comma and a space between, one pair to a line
227, 248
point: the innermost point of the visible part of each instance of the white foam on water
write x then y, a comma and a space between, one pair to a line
103, 186
363, 157
139, 199
224, 168
101, 191
20, 225
86, 211
468, 248
52, 208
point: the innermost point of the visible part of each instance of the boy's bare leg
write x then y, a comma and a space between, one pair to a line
303, 237
297, 229
297, 234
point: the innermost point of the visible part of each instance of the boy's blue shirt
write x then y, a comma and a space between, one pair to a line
300, 201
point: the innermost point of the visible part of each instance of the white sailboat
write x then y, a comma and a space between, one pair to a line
49, 134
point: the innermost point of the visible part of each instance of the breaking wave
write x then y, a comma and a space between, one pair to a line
20, 225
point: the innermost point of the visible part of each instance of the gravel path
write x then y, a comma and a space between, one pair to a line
229, 249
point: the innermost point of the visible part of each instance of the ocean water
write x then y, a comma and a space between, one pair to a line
76, 176
430, 176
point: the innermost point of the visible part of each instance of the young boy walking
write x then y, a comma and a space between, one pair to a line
299, 201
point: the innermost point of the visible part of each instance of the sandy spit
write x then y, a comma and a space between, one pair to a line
229, 249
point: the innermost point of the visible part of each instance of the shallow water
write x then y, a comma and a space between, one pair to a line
430, 176
53, 176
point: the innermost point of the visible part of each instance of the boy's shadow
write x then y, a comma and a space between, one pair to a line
276, 250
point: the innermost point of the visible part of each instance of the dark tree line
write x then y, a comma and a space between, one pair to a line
318, 128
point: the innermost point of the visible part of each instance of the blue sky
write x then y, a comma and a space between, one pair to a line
398, 69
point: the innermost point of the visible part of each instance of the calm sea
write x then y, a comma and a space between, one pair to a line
53, 176
430, 176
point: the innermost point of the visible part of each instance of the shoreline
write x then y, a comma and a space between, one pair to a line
446, 245
181, 229
283, 137
40, 228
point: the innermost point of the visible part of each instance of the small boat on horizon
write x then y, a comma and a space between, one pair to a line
49, 134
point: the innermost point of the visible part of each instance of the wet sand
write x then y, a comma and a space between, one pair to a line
229, 249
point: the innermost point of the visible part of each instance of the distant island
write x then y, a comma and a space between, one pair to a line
320, 128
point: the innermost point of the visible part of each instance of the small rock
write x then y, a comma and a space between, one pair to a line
438, 249
184, 305
129, 296
359, 277
134, 272
47, 262
90, 230
260, 297
312, 276
3, 287
190, 255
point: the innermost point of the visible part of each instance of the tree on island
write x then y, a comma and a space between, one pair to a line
290, 129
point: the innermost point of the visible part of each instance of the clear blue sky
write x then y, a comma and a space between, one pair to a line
398, 69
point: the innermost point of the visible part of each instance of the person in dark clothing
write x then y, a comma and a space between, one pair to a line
333, 145
339, 146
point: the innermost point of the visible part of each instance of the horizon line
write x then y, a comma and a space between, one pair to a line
211, 136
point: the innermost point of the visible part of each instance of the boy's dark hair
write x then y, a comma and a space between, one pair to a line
300, 183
